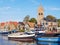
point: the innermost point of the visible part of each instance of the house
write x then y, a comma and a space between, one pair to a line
20, 26
2, 25
31, 25
11, 25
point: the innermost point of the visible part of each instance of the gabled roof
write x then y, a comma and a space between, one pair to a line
21, 23
31, 24
49, 20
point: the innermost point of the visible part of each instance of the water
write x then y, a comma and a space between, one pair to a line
48, 43
4, 41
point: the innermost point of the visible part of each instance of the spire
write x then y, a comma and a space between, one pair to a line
40, 3
41, 7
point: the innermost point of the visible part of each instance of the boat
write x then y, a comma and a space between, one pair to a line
35, 32
31, 32
21, 37
48, 37
3, 31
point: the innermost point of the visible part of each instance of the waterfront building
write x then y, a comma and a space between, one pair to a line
8, 25
31, 25
20, 26
2, 25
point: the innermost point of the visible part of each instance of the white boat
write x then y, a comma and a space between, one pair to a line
35, 31
4, 31
21, 37
31, 32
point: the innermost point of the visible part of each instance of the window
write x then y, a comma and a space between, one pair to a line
41, 13
43, 23
46, 23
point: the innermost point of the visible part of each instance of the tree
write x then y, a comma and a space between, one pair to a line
58, 20
33, 20
50, 17
26, 19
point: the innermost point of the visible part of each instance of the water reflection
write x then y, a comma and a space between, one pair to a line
4, 41
26, 43
47, 43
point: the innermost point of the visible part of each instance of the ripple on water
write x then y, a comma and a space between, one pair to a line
26, 43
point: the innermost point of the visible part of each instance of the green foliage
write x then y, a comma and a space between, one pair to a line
26, 19
33, 20
21, 30
50, 17
58, 20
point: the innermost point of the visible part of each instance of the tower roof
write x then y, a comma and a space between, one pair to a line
40, 8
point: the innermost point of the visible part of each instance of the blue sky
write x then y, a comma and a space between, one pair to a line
16, 10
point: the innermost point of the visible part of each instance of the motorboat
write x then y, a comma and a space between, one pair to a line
20, 36
48, 37
3, 31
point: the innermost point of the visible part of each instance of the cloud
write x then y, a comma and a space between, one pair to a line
53, 8
9, 10
5, 8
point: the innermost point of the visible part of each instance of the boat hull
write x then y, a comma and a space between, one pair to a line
4, 32
22, 39
48, 39
7, 32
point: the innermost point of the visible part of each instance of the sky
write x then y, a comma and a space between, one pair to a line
16, 10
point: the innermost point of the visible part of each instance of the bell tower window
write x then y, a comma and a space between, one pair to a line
39, 13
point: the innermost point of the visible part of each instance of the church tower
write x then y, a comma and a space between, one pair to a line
40, 15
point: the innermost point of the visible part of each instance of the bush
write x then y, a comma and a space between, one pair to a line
21, 30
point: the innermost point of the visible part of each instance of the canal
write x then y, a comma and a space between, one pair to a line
4, 41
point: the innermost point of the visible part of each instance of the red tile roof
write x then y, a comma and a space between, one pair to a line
11, 22
2, 24
31, 24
